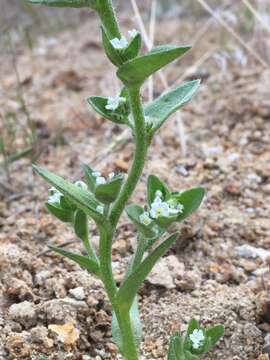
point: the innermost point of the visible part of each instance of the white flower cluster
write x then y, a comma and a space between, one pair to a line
113, 103
100, 180
197, 338
122, 43
160, 208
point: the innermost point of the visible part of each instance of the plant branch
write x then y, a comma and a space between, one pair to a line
139, 157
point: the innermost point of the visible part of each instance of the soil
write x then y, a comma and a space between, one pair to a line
48, 305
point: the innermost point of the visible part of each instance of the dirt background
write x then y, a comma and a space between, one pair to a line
48, 306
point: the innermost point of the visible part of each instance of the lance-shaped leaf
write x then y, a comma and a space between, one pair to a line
191, 200
133, 48
85, 262
89, 178
193, 325
81, 225
61, 214
135, 324
134, 211
83, 199
108, 192
154, 184
175, 347
98, 103
65, 204
214, 334
113, 54
65, 3
161, 108
130, 286
136, 71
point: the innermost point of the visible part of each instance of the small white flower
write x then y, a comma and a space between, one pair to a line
81, 185
158, 194
100, 180
180, 208
145, 219
173, 211
113, 103
132, 33
55, 198
159, 209
96, 174
52, 190
119, 44
100, 209
197, 337
111, 175
157, 201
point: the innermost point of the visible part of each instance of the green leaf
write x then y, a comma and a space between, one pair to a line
165, 222
85, 262
136, 71
124, 93
83, 199
134, 211
215, 333
131, 284
133, 48
161, 108
135, 323
193, 325
89, 178
65, 204
81, 225
65, 3
98, 103
153, 185
108, 192
191, 200
61, 214
175, 347
113, 55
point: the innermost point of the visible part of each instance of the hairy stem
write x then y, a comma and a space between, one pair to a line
129, 348
139, 157
106, 233
123, 317
107, 16
105, 259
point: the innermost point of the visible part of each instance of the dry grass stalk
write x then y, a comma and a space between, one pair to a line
256, 14
223, 23
151, 40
